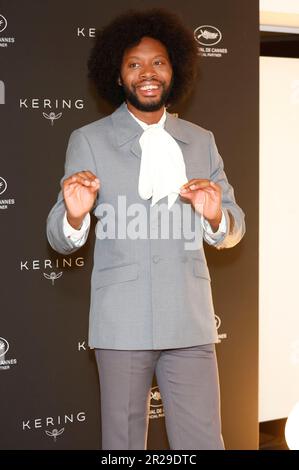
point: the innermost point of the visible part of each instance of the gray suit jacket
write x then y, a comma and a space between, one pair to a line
150, 292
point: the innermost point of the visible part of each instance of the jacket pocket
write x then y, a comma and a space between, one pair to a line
117, 274
200, 269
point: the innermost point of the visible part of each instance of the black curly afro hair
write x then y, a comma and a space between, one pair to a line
126, 31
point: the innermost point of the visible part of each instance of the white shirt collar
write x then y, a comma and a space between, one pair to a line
162, 167
144, 125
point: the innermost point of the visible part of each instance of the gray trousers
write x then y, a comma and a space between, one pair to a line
189, 386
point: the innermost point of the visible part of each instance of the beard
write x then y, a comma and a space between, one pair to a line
154, 105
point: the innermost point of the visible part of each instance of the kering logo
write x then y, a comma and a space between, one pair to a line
207, 35
86, 32
156, 405
82, 346
3, 23
53, 276
57, 421
2, 92
55, 433
5, 364
48, 104
52, 116
59, 263
3, 185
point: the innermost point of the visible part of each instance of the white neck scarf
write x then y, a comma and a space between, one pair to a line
162, 166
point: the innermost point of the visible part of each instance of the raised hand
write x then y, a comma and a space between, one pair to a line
205, 196
79, 191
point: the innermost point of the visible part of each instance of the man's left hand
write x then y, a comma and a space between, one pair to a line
205, 196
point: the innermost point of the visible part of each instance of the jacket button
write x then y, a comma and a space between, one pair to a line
156, 259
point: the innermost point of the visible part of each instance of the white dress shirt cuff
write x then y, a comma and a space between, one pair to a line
214, 237
78, 237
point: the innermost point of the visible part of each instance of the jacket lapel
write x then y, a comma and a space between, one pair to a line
174, 127
128, 131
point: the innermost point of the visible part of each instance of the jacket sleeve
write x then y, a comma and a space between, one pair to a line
234, 216
79, 157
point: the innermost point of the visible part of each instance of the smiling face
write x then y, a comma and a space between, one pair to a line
146, 75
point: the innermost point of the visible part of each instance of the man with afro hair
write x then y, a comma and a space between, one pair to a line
151, 306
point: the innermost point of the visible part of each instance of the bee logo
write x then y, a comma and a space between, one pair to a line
55, 433
53, 276
52, 116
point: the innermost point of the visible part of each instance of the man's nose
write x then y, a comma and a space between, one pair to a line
148, 72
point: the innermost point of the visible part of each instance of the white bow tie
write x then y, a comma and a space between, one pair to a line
162, 167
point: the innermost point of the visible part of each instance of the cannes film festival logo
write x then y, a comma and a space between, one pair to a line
156, 405
221, 336
2, 92
5, 364
52, 117
53, 276
156, 397
207, 35
4, 347
218, 322
3, 185
55, 433
3, 23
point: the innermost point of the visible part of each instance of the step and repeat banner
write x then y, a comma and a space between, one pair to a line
48, 377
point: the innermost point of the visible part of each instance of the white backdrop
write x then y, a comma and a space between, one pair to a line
279, 236
279, 15
281, 6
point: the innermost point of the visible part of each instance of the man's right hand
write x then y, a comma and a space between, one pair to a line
79, 191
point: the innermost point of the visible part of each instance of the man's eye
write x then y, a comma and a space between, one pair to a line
158, 62
133, 65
